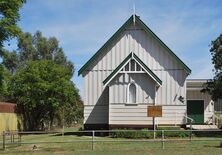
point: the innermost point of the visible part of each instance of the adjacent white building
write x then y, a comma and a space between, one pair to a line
199, 105
135, 69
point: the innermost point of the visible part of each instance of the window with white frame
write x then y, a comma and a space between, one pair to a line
131, 93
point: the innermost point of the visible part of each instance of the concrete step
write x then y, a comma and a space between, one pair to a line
203, 127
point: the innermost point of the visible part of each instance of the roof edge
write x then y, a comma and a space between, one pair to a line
114, 36
148, 30
123, 63
115, 71
148, 69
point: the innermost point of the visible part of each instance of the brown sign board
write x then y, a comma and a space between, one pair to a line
154, 111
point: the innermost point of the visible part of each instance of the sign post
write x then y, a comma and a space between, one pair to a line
154, 128
154, 111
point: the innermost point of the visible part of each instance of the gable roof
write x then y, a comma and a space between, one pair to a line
140, 62
147, 30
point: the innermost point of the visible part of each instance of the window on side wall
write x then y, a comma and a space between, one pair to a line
131, 93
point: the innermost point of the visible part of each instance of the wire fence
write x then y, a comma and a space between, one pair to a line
19, 138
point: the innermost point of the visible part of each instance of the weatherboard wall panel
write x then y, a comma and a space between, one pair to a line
96, 114
169, 119
166, 108
125, 122
121, 113
166, 116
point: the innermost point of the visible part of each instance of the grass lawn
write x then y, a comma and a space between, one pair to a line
106, 148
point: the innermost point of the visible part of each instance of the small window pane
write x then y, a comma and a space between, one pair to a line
132, 65
127, 67
132, 93
138, 68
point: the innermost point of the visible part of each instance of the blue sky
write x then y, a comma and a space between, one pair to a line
83, 26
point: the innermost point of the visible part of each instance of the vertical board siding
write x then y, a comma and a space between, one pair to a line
208, 105
167, 70
144, 84
218, 105
133, 39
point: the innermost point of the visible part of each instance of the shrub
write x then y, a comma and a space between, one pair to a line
168, 133
180, 134
135, 134
220, 121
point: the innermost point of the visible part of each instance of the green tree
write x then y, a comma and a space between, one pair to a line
9, 16
35, 47
214, 86
37, 62
10, 60
40, 89
4, 77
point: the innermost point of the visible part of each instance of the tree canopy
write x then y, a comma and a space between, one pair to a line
214, 86
9, 16
36, 76
40, 82
40, 89
35, 47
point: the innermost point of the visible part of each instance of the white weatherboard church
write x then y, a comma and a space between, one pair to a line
133, 70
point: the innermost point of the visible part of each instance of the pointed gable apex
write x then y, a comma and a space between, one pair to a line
138, 61
147, 30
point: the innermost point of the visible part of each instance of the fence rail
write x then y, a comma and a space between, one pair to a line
16, 137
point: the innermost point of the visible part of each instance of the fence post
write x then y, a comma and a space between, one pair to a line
93, 134
163, 139
13, 137
3, 142
19, 139
190, 131
10, 132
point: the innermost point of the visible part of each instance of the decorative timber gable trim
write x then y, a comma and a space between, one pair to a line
147, 30
140, 62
